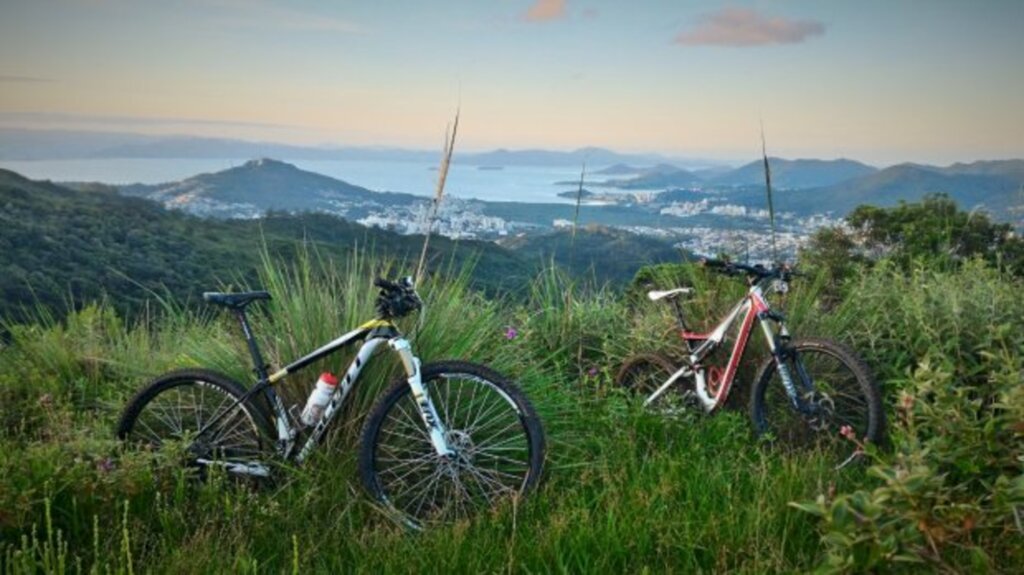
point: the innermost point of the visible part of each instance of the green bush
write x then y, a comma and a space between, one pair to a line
950, 493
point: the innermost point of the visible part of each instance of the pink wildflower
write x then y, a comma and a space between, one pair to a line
907, 402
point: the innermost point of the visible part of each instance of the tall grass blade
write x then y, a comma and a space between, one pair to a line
446, 158
768, 191
579, 199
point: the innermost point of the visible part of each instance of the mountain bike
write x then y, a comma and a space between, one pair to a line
449, 439
808, 391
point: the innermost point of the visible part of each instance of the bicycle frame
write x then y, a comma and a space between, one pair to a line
753, 307
374, 333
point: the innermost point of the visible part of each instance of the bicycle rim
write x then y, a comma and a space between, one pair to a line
492, 444
644, 374
178, 413
827, 381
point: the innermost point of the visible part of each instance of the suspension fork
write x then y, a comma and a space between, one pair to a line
778, 345
434, 425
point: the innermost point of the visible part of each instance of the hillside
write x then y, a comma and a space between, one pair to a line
990, 187
794, 173
260, 185
1012, 169
58, 244
597, 251
659, 177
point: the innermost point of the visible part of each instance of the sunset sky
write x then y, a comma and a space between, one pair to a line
880, 81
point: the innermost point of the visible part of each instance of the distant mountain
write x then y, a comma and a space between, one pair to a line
574, 158
16, 144
22, 144
577, 193
192, 147
968, 184
642, 177
709, 173
659, 177
619, 169
261, 185
1012, 169
794, 173
625, 169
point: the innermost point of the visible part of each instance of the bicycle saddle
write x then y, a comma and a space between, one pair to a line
235, 300
656, 295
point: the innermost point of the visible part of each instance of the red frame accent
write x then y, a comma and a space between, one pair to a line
757, 306
737, 353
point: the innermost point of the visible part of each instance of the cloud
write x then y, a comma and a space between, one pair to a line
545, 11
744, 27
23, 80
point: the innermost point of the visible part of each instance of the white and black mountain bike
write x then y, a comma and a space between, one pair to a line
449, 439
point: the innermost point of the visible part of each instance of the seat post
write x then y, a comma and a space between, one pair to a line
257, 358
679, 314
682, 322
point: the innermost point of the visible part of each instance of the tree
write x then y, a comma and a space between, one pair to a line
933, 232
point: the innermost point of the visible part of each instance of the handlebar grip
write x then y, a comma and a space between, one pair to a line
713, 263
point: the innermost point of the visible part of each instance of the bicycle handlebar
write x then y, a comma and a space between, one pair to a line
779, 270
403, 283
397, 298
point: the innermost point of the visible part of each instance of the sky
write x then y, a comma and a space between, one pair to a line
883, 82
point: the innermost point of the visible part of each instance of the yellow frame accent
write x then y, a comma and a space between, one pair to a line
373, 323
376, 323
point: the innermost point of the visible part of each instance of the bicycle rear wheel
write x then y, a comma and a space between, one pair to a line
643, 374
177, 406
497, 438
840, 390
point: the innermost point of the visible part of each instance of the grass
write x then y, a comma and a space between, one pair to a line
624, 491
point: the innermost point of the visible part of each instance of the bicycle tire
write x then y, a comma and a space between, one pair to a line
240, 437
395, 430
839, 374
642, 374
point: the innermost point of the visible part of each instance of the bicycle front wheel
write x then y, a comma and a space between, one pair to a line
838, 389
495, 433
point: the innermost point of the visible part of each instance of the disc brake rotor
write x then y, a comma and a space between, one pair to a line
822, 409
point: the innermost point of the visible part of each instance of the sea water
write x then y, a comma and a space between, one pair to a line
533, 184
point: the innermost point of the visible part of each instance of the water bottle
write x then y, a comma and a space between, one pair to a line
318, 400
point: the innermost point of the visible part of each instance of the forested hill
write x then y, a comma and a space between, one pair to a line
59, 245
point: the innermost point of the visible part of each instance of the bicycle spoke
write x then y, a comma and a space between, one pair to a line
182, 411
490, 459
834, 396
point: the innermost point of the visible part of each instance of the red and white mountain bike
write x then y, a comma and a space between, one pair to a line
807, 392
